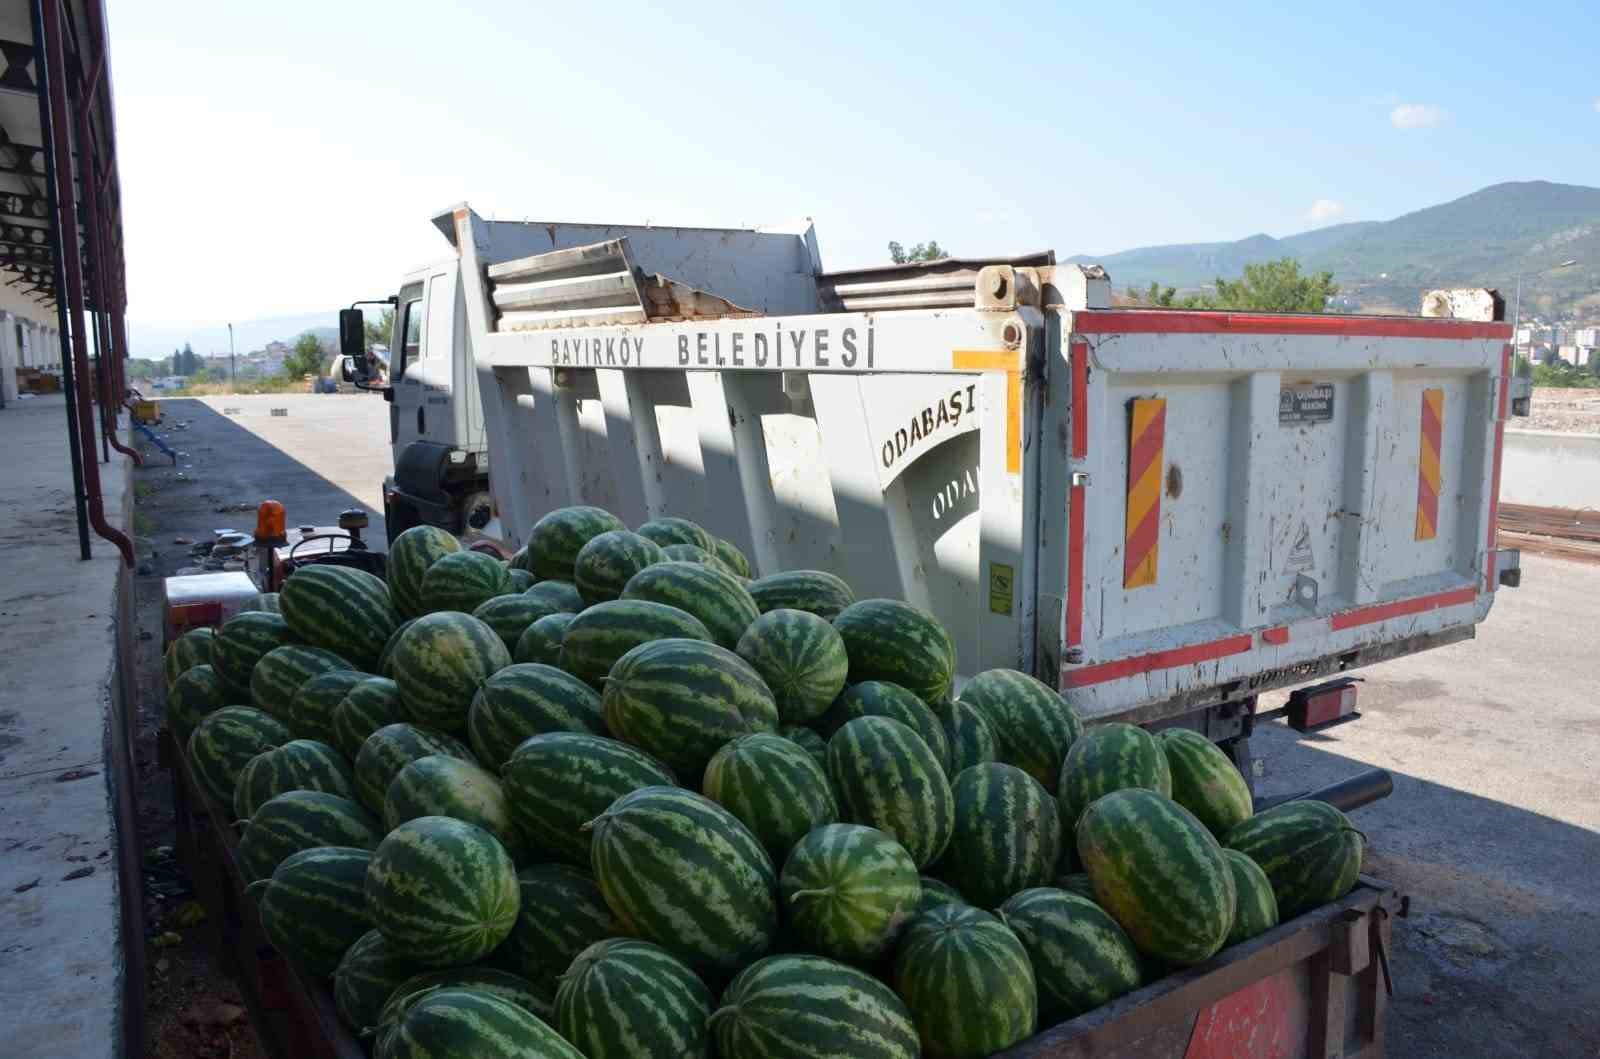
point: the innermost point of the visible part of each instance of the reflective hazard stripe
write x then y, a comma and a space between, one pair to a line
1428, 465
1146, 444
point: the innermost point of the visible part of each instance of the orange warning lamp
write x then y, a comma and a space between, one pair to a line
270, 524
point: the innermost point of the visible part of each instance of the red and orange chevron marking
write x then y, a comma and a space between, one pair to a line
1428, 465
1146, 446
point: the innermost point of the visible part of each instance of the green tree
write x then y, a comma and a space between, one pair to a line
305, 358
1275, 287
380, 331
929, 251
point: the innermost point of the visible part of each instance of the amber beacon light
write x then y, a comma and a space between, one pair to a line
270, 523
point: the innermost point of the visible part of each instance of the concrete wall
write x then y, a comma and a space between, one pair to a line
1547, 469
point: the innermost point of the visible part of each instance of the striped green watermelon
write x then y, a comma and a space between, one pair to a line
815, 591
560, 781
262, 601
1106, 758
511, 614
441, 785
683, 872
1159, 873
311, 708
607, 631
668, 530
297, 765
968, 734
802, 659
518, 580
390, 749
188, 651
888, 639
936, 892
1081, 958
313, 906
1308, 850
442, 891
480, 978
409, 558
847, 890
1076, 883
886, 777
367, 706
714, 596
301, 819
1255, 905
626, 999
809, 741
1205, 782
223, 743
1033, 726
690, 553
243, 641
440, 663
967, 982
881, 698
562, 597
198, 691
462, 582
607, 562
386, 659
341, 609
527, 699
366, 977
541, 641
731, 557
682, 699
808, 1007
556, 539
1007, 836
469, 1022
562, 913
774, 787
281, 671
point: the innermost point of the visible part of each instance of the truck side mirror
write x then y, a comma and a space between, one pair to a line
350, 369
352, 333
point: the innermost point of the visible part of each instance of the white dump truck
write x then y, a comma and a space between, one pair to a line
1163, 513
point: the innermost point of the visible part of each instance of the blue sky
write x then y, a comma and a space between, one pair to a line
279, 158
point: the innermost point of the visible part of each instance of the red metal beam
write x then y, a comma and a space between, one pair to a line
1190, 322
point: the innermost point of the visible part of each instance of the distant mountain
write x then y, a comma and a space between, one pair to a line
154, 341
1482, 239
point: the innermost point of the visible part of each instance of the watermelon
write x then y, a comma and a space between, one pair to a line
847, 890
1007, 835
369, 705
968, 735
562, 597
690, 553
1308, 850
668, 530
881, 698
313, 907
556, 539
607, 631
1106, 758
243, 641
1159, 873
560, 781
441, 661
518, 580
441, 785
807, 1007
311, 708
608, 561
620, 994
1076, 883
808, 740
541, 641
936, 892
967, 981
340, 609
469, 1022
715, 597
523, 700
409, 558
442, 891
800, 657
1255, 905
366, 977
815, 591
262, 601
888, 639
510, 615
390, 749
224, 742
462, 582
683, 872
774, 787
1205, 782
196, 692
562, 913
1033, 726
297, 765
188, 651
301, 819
731, 557
281, 671
682, 699
386, 658
886, 777
1080, 957
479, 978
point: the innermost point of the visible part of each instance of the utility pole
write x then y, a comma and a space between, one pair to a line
1516, 312
233, 364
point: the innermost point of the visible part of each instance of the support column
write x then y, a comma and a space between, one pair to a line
9, 354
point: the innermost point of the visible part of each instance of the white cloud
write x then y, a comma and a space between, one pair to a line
1325, 210
1416, 116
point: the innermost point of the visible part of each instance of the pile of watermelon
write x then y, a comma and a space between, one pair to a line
613, 798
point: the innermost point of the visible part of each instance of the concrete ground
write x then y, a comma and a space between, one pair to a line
61, 956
